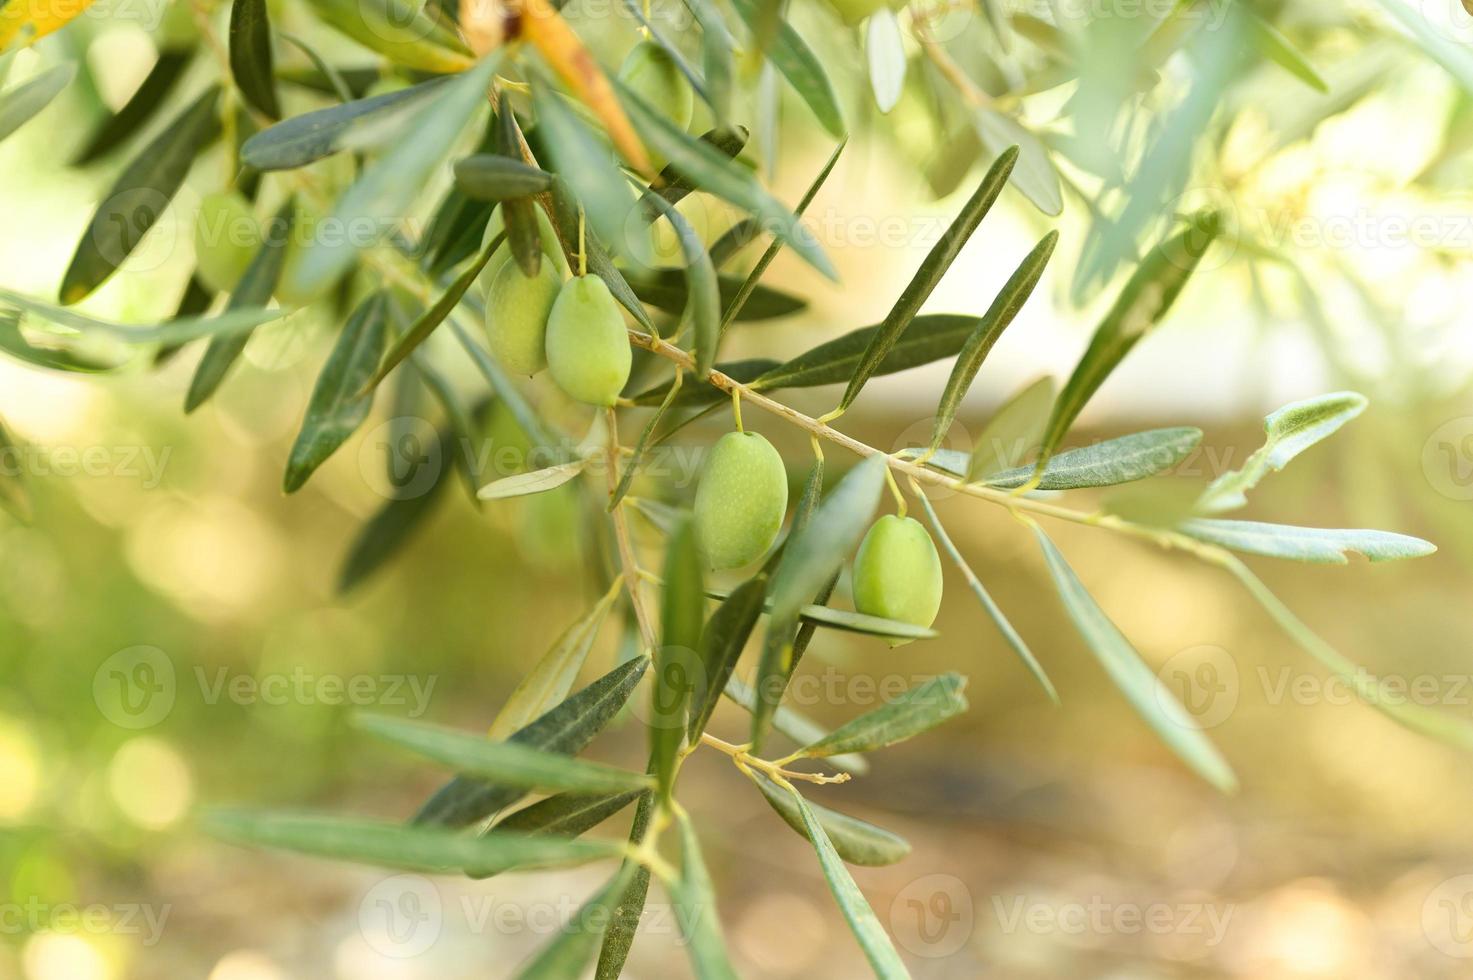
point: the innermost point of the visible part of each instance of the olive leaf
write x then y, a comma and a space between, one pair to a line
1290, 430
930, 338
508, 763
254, 290
567, 814
674, 186
715, 174
1141, 685
856, 841
683, 614
146, 100
337, 406
56, 353
808, 563
175, 331
551, 678
1125, 459
929, 275
989, 605
564, 729
668, 291
1005, 308
1034, 176
518, 213
857, 912
703, 293
537, 431
1273, 45
137, 199
1322, 546
1143, 303
19, 105
722, 641
570, 953
382, 194
1013, 433
887, 61
624, 923
250, 55
537, 481
395, 846
363, 124
1455, 58
717, 45
918, 710
852, 622
798, 64
490, 177
695, 903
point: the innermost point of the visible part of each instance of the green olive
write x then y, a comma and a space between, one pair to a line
853, 12
226, 238
653, 75
517, 310
897, 573
741, 500
552, 248
587, 343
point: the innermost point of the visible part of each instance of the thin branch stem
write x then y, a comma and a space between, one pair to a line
774, 770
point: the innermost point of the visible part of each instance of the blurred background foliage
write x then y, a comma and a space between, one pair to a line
180, 540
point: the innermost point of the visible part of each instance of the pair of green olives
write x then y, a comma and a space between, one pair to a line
573, 328
739, 509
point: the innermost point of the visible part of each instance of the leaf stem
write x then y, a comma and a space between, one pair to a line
746, 762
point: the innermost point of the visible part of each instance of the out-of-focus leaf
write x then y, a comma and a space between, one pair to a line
887, 61
251, 63
674, 186
338, 406
57, 356
21, 103
624, 923
667, 291
1273, 45
1291, 430
695, 901
930, 338
1455, 58
174, 331
1005, 308
139, 196
565, 729
1105, 464
406, 34
396, 846
857, 912
1013, 433
1322, 546
809, 561
361, 125
856, 841
490, 177
717, 45
722, 641
929, 275
918, 710
801, 67
703, 294
146, 100
1142, 687
683, 614
1034, 175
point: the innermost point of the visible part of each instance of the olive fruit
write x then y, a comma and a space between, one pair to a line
740, 500
587, 345
226, 238
552, 249
653, 75
897, 573
853, 12
517, 310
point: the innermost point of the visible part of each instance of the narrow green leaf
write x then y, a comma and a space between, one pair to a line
139, 196
140, 108
800, 66
856, 841
668, 291
338, 407
722, 642
508, 763
518, 213
717, 46
1013, 433
1390, 700
930, 338
703, 293
537, 481
918, 710
643, 444
336, 84
491, 177
361, 125
810, 560
176, 331
537, 431
565, 729
552, 677
22, 103
619, 937
1142, 687
254, 290
396, 846
1143, 303
570, 953
651, 31
857, 912
1034, 176
695, 904
1290, 431
1455, 58
942, 255
793, 725
55, 354
381, 196
675, 186
852, 622
567, 814
1104, 464
405, 33
1321, 546
683, 613
885, 49
250, 55
1273, 45
714, 173
1005, 308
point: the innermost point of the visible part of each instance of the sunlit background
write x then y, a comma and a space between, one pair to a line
1048, 842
